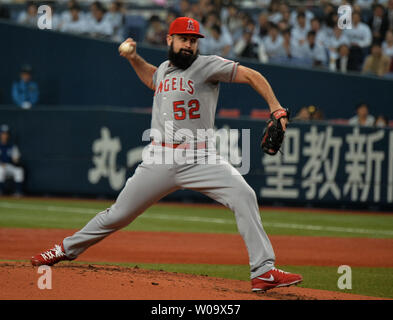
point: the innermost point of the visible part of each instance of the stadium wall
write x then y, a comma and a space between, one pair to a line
74, 70
92, 151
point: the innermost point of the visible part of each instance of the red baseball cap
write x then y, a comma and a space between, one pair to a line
185, 25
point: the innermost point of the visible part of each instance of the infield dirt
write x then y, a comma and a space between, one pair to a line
70, 281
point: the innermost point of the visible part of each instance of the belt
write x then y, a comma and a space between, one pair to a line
199, 145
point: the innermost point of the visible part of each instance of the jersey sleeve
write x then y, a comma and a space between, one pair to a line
155, 78
220, 69
159, 71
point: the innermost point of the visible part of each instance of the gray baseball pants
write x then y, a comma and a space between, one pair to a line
151, 182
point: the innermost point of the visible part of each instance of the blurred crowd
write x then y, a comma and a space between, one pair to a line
267, 31
362, 117
301, 35
103, 19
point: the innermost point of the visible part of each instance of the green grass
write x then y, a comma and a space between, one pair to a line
41, 213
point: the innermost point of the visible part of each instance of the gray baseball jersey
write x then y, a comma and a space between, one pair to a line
184, 99
187, 99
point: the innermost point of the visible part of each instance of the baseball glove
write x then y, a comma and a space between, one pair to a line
273, 135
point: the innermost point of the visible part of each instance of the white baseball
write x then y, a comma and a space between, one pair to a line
126, 48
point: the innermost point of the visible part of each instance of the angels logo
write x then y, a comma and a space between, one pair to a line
190, 25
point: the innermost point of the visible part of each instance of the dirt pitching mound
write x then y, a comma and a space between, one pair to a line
87, 282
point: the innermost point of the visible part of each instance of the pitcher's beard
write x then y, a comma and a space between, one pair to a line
181, 59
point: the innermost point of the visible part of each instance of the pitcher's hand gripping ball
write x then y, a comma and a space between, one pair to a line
273, 135
126, 48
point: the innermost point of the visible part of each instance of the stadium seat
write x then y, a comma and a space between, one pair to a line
229, 113
339, 121
260, 114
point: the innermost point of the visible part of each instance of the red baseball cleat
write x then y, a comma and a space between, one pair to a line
273, 279
50, 257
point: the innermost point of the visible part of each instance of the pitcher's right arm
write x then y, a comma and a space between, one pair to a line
143, 69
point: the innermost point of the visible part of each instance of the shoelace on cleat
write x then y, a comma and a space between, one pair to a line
47, 255
278, 270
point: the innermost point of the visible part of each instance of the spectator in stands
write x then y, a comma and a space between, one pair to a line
285, 12
25, 92
285, 21
213, 18
343, 62
362, 118
360, 35
315, 113
378, 22
115, 16
10, 162
298, 51
320, 33
309, 113
246, 47
314, 51
232, 19
360, 38
156, 31
76, 23
282, 26
262, 26
334, 41
307, 14
299, 32
302, 115
273, 43
98, 25
287, 45
387, 45
381, 121
330, 21
274, 11
66, 14
29, 17
358, 9
216, 42
376, 63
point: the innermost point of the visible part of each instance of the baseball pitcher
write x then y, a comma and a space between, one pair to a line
186, 89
